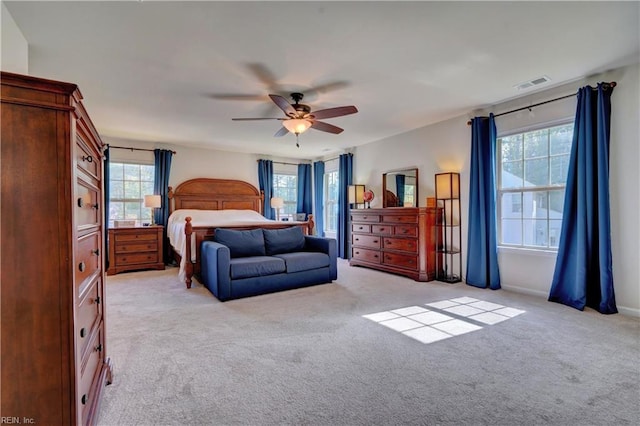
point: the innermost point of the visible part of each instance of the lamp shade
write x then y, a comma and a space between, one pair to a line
356, 194
277, 203
152, 201
448, 185
296, 125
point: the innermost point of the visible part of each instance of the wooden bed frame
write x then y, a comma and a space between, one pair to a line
218, 194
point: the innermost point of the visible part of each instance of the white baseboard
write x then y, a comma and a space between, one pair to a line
623, 310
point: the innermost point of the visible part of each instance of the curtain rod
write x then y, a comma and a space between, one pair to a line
280, 162
134, 149
612, 84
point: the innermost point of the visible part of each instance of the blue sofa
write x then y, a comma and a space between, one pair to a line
247, 263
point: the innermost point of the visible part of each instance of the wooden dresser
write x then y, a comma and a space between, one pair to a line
132, 249
397, 240
54, 362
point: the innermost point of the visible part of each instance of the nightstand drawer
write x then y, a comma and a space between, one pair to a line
136, 247
136, 237
136, 258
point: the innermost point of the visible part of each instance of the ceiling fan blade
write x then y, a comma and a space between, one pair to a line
264, 74
283, 104
327, 87
252, 119
334, 112
326, 127
281, 132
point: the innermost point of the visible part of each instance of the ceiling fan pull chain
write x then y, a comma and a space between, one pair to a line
297, 144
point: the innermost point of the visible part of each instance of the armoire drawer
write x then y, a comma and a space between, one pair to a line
89, 374
88, 314
88, 257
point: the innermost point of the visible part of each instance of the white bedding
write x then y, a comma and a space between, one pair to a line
211, 218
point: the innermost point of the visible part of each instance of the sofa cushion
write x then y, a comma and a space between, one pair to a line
285, 240
304, 261
241, 243
256, 266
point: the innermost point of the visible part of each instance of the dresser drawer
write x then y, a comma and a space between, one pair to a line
382, 229
402, 244
406, 230
359, 227
89, 373
87, 258
370, 241
136, 258
366, 217
89, 314
400, 219
366, 255
401, 260
133, 247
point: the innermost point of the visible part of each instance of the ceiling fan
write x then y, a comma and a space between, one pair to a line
299, 117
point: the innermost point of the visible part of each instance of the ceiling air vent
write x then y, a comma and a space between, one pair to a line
531, 83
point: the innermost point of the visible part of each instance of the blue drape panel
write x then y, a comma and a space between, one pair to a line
305, 204
583, 274
400, 179
107, 195
482, 248
162, 163
345, 177
318, 179
265, 180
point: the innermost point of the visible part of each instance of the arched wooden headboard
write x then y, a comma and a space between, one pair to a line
215, 194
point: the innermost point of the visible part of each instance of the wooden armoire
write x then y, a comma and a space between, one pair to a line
53, 361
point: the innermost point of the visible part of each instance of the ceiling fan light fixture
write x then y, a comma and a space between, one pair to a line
296, 125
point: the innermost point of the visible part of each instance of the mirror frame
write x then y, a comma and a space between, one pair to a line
395, 172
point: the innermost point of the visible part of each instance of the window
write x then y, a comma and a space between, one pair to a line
532, 173
331, 184
285, 186
128, 184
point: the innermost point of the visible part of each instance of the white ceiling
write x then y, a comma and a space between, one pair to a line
158, 71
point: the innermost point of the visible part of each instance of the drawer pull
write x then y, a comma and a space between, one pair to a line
357, 252
82, 266
364, 217
99, 347
95, 206
83, 332
405, 231
375, 255
97, 300
388, 243
375, 241
88, 159
361, 227
96, 252
382, 229
357, 239
84, 399
80, 202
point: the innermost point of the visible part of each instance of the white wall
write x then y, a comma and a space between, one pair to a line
445, 146
15, 49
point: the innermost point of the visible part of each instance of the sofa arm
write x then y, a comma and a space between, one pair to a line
327, 246
215, 269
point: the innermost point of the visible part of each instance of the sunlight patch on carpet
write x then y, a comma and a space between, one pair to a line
443, 319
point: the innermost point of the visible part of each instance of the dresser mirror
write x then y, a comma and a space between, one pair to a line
400, 188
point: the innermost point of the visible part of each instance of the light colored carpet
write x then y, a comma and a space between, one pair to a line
309, 357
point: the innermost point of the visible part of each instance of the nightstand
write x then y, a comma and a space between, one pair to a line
134, 249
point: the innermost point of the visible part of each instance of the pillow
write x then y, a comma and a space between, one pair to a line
241, 243
285, 240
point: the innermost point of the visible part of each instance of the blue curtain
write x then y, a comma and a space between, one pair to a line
105, 179
400, 179
482, 248
318, 179
162, 162
583, 275
345, 178
305, 204
265, 179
